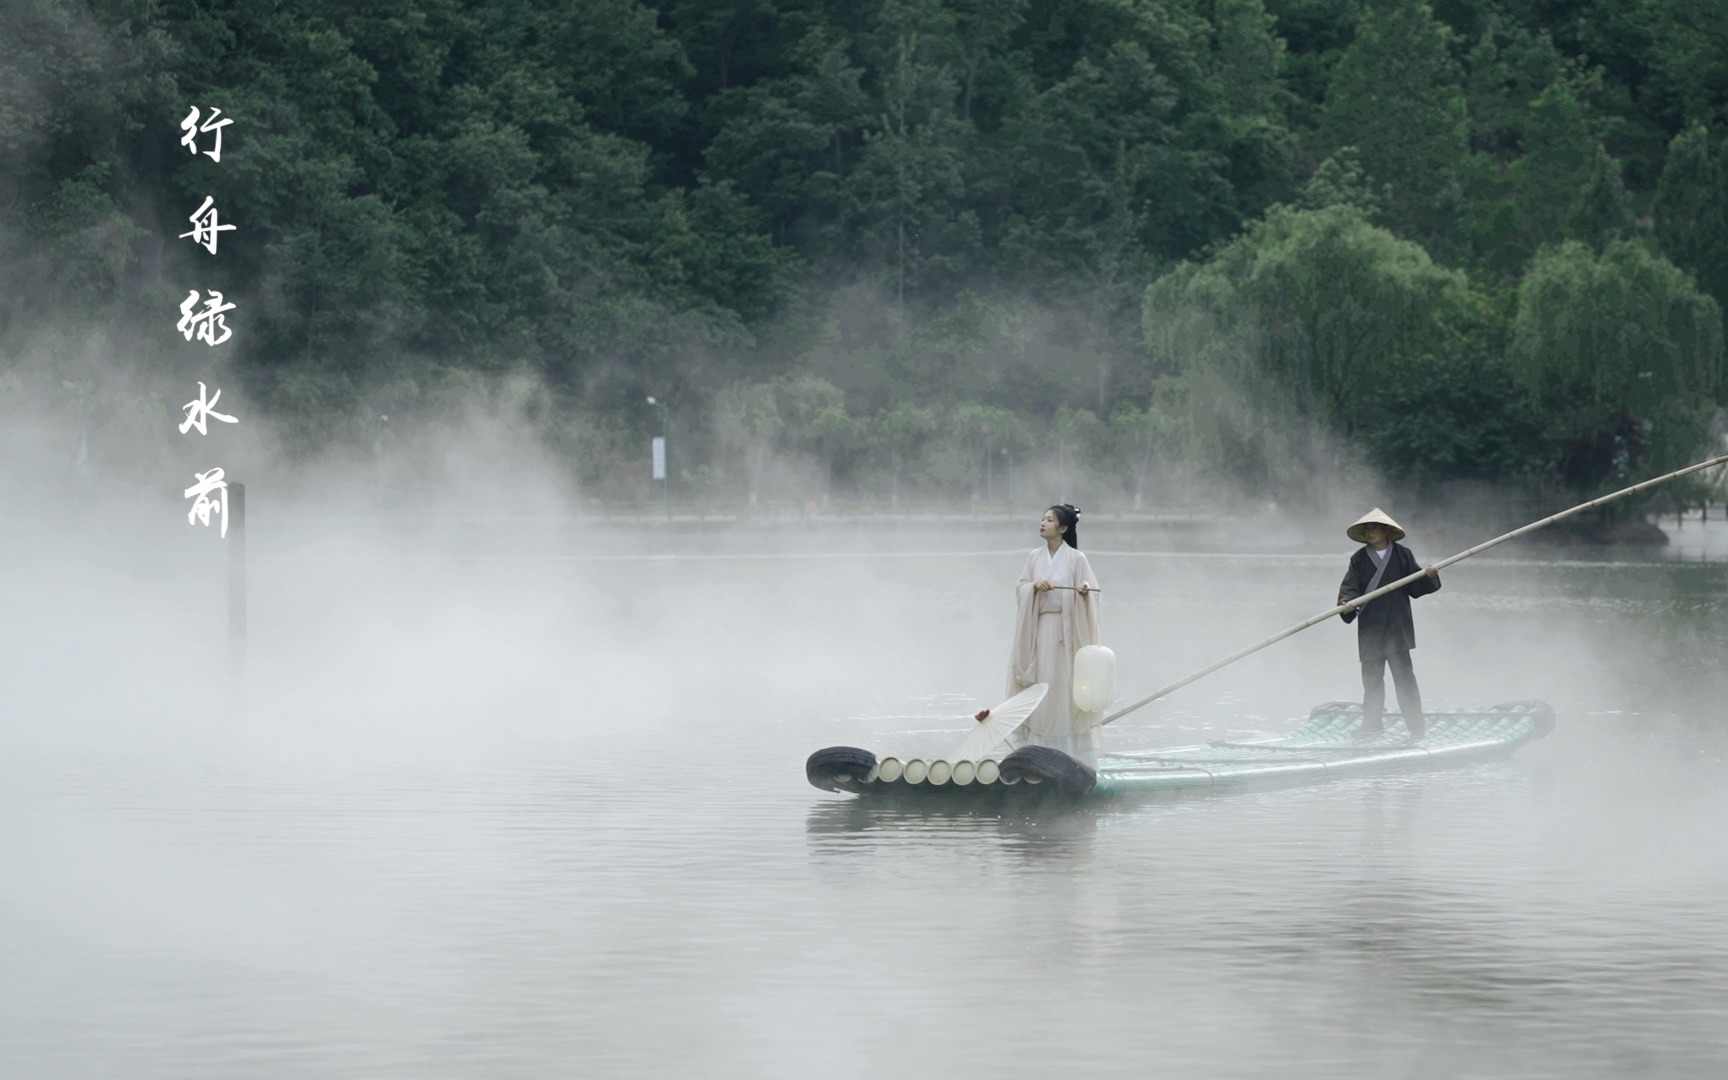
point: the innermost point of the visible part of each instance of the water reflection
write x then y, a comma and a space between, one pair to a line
1040, 829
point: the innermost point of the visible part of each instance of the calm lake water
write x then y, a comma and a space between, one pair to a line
537, 808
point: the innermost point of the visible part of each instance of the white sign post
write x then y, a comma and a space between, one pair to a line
660, 454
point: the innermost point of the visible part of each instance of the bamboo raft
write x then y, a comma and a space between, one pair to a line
1327, 745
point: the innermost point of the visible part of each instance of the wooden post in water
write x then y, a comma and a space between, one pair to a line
237, 581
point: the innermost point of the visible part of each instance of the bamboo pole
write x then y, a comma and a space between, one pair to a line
1403, 581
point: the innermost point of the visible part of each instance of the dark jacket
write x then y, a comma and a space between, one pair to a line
1386, 626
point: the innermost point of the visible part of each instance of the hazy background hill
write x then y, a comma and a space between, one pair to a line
1144, 251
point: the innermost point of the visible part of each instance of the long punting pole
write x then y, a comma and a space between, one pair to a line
1400, 583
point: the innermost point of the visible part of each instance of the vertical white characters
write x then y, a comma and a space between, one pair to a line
201, 509
204, 324
200, 412
193, 130
207, 324
205, 225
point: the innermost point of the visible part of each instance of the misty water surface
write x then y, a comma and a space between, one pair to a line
523, 799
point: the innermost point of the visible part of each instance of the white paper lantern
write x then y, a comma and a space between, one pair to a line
1094, 678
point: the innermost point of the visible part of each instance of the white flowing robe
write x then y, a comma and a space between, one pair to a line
1049, 628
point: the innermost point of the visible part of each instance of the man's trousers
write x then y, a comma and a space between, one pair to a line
1403, 680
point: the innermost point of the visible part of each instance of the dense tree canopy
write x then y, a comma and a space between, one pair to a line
1623, 353
909, 244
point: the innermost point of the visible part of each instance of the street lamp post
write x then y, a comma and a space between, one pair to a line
659, 454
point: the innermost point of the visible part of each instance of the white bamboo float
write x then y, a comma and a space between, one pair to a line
937, 773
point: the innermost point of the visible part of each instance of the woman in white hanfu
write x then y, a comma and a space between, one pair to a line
1057, 615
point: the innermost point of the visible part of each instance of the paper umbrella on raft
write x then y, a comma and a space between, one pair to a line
1094, 689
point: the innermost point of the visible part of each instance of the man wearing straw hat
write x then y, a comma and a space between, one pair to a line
1385, 632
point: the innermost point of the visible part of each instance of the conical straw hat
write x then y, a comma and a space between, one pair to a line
1375, 516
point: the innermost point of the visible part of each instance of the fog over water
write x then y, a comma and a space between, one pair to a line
523, 796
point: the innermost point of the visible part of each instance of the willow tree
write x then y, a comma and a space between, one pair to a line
899, 434
1691, 208
815, 420
1321, 302
748, 420
978, 440
1624, 352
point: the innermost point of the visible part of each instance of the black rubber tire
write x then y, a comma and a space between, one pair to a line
839, 768
1540, 712
1050, 766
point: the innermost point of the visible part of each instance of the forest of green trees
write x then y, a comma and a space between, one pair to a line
907, 246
